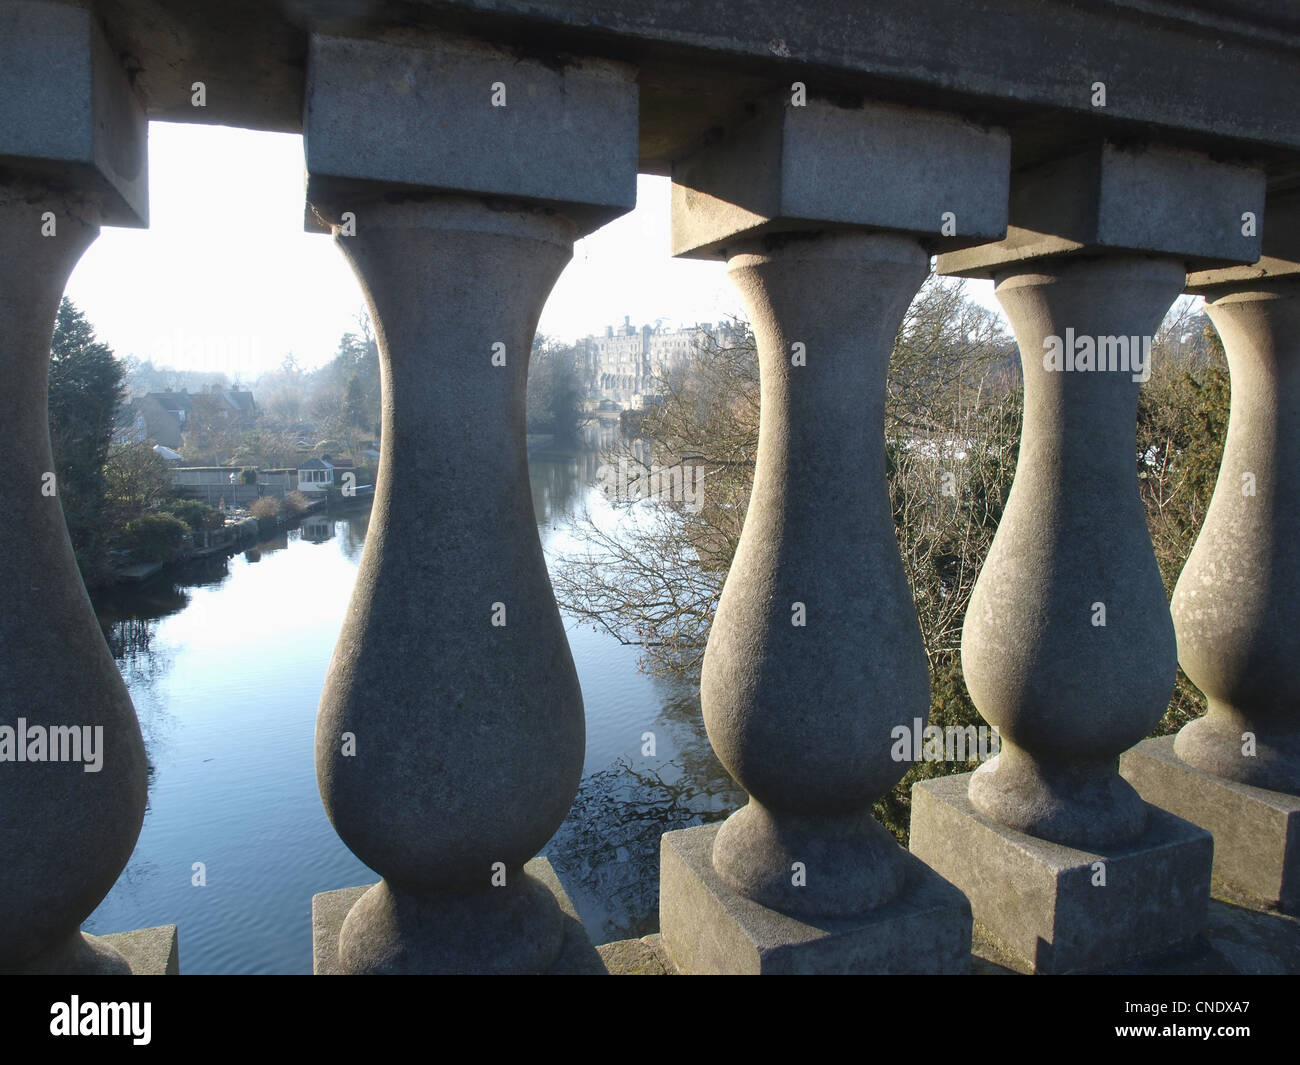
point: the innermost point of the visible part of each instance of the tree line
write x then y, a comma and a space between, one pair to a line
119, 496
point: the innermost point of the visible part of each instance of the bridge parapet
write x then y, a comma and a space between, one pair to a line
1094, 160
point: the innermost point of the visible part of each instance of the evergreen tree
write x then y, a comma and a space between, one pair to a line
354, 412
84, 392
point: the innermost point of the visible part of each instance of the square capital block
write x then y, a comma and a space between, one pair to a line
1149, 200
819, 165
464, 117
1280, 229
67, 111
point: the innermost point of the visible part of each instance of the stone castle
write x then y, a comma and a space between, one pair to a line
623, 365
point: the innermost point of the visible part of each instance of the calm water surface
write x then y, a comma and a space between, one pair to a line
225, 664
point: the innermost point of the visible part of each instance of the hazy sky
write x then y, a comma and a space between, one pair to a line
225, 280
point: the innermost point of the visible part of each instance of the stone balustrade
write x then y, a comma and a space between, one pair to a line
454, 163
1236, 771
825, 216
1068, 645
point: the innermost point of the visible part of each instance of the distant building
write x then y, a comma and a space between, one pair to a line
242, 410
279, 481
162, 417
315, 475
624, 366
144, 418
212, 484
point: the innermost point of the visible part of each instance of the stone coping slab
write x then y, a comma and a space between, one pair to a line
149, 951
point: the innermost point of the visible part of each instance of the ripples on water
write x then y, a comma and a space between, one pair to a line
225, 665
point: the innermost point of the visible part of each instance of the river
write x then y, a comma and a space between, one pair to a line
225, 663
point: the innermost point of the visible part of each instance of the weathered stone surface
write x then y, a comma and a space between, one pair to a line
1237, 604
65, 833
1256, 831
793, 168
1280, 242
577, 956
1106, 198
422, 117
452, 670
1067, 645
1227, 71
67, 112
708, 928
1041, 902
149, 951
637, 957
1239, 939
811, 585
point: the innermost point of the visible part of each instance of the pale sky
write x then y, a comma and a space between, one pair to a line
226, 280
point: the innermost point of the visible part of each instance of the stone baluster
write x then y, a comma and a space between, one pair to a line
1236, 595
450, 739
794, 710
824, 215
72, 761
1236, 771
1068, 645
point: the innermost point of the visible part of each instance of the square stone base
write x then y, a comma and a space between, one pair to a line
149, 951
1256, 832
578, 956
707, 928
1045, 904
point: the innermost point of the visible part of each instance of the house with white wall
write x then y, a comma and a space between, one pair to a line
315, 475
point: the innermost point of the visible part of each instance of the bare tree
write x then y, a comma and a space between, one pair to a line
655, 577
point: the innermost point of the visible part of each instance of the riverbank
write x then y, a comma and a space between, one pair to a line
236, 536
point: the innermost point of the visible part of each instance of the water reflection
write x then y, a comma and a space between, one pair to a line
354, 535
607, 851
317, 528
225, 660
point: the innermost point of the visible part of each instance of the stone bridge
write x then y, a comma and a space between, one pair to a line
1095, 159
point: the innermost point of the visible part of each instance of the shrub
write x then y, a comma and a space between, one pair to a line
248, 475
155, 537
264, 508
297, 503
196, 514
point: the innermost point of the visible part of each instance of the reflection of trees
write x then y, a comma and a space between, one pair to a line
353, 536
272, 544
128, 618
130, 638
607, 851
207, 572
555, 484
